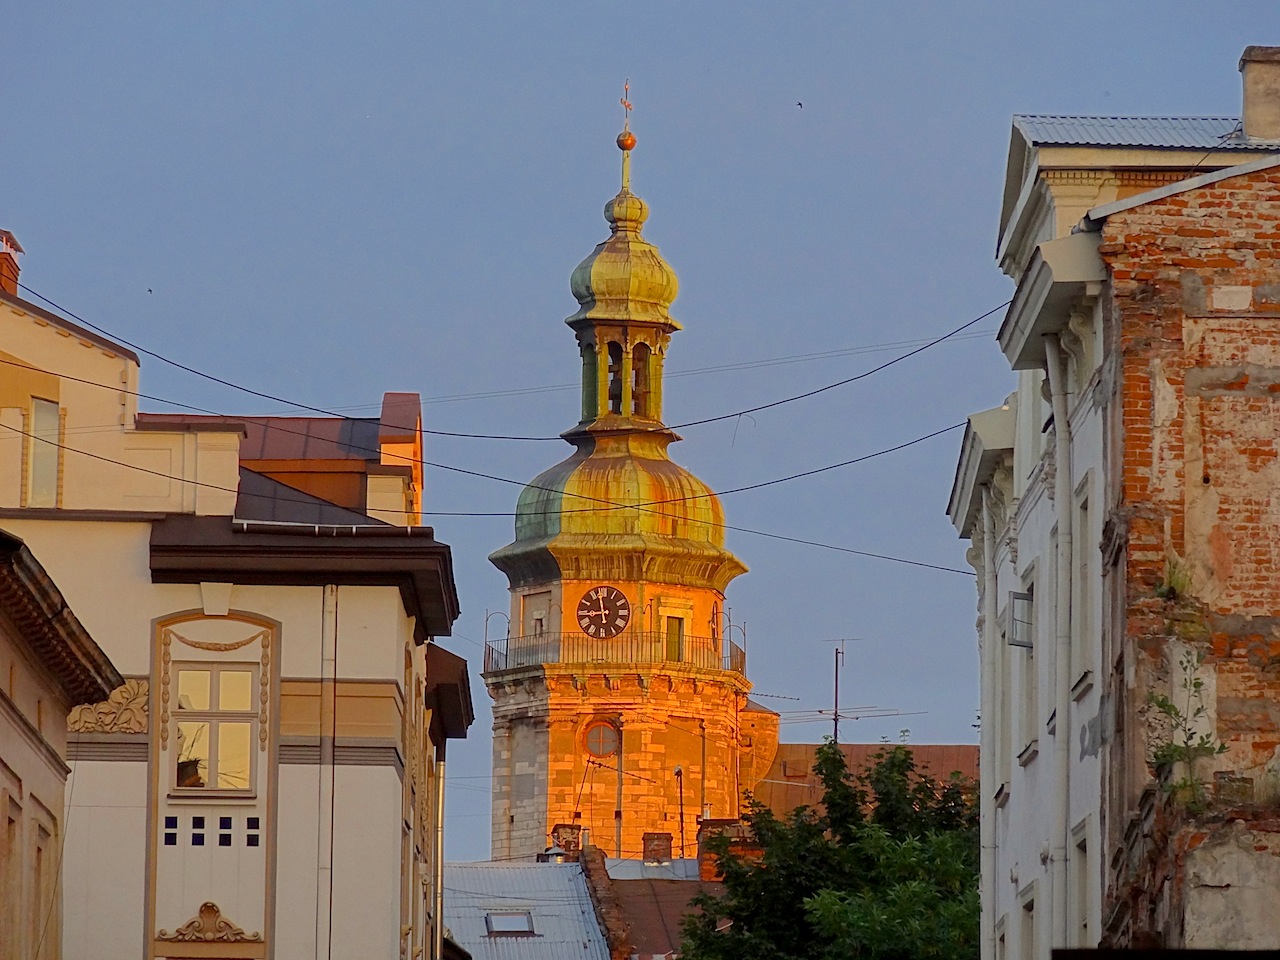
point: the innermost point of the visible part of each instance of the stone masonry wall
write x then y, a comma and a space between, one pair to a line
1193, 336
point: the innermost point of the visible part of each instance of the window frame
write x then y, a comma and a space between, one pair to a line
44, 453
215, 717
526, 914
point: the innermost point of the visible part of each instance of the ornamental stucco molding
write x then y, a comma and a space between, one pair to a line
209, 926
126, 710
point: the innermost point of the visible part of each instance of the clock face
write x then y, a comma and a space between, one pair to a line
603, 612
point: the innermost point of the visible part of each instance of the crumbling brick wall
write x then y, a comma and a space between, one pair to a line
1192, 329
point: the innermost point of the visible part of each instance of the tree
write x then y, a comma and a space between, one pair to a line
886, 868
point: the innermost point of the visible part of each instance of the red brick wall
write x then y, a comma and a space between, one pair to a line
1194, 327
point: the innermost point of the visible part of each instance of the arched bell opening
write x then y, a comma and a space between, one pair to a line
615, 377
640, 374
590, 384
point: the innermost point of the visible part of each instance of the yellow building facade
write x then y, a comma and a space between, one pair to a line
620, 702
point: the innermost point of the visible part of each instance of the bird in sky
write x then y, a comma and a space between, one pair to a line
799, 104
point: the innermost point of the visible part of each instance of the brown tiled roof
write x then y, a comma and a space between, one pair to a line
654, 909
791, 783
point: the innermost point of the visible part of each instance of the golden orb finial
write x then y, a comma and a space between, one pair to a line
626, 139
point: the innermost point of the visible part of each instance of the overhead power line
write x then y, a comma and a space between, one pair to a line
489, 436
758, 533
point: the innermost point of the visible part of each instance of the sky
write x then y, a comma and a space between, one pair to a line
326, 201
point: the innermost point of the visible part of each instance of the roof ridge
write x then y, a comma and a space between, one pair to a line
1123, 116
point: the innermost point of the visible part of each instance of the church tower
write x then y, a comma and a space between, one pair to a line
620, 704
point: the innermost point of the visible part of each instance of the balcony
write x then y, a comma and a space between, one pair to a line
707, 653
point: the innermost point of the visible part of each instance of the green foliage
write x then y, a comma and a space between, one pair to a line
1186, 743
885, 869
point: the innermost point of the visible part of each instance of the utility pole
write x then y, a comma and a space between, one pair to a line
835, 703
679, 772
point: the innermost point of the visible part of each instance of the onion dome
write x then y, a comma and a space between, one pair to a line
619, 509
624, 278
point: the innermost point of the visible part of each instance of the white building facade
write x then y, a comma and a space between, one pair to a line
268, 780
1040, 493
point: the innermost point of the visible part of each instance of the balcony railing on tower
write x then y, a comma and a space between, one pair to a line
707, 653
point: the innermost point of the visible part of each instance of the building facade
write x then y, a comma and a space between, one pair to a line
267, 780
1121, 505
50, 667
620, 700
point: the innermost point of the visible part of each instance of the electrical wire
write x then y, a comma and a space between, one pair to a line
484, 436
214, 486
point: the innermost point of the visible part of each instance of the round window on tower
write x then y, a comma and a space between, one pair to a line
602, 739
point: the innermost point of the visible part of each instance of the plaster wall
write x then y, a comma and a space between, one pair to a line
96, 433
1022, 733
298, 840
104, 863
366, 883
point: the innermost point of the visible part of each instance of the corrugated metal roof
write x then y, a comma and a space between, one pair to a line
1190, 133
554, 894
263, 498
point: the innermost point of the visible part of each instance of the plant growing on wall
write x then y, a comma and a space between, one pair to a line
1187, 741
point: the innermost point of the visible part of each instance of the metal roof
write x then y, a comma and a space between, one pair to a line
1189, 133
554, 894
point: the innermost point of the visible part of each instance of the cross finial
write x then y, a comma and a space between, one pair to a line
626, 104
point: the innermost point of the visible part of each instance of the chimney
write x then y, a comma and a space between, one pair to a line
656, 847
10, 250
1260, 67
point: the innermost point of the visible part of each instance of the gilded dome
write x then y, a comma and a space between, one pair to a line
620, 507
624, 278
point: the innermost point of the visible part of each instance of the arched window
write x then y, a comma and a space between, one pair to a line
590, 397
640, 380
615, 378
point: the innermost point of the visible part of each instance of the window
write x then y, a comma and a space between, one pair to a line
216, 726
1027, 931
1079, 865
675, 638
1022, 607
602, 739
511, 923
43, 489
1084, 547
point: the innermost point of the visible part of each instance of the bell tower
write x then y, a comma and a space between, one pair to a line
618, 697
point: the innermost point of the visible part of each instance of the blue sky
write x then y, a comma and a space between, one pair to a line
327, 201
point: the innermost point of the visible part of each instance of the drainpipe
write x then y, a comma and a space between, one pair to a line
328, 731
438, 931
1061, 783
987, 773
